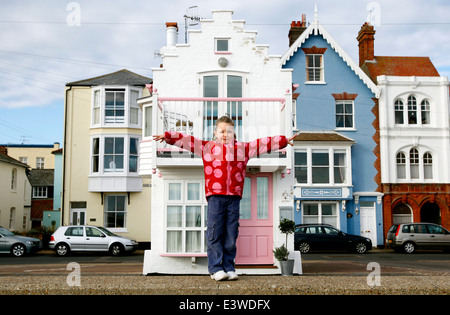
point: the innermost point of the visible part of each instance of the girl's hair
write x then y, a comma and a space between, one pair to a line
225, 119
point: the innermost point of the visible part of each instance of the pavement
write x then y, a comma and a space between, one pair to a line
127, 279
135, 284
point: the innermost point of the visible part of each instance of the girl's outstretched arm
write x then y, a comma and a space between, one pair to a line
182, 141
291, 139
158, 138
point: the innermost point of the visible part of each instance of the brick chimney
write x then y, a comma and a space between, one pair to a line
3, 150
366, 43
297, 28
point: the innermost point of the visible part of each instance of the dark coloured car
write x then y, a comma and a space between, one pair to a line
310, 237
408, 237
18, 245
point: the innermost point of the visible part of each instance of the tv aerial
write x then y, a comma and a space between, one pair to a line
194, 19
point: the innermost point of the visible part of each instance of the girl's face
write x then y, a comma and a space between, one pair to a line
224, 132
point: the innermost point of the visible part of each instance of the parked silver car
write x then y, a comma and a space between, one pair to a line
18, 245
79, 238
411, 236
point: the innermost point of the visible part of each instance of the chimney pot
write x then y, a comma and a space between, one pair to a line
297, 28
172, 33
3, 150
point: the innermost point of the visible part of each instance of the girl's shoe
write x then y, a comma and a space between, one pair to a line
219, 275
232, 275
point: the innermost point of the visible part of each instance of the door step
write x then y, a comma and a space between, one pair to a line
256, 267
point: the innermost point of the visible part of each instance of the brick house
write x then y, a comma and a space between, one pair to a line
414, 135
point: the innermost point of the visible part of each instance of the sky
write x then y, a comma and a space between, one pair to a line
45, 44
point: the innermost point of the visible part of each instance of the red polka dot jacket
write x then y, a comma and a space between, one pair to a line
224, 164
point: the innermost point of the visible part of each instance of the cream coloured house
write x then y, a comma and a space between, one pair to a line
15, 194
102, 131
38, 156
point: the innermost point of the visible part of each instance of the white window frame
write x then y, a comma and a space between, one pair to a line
216, 50
344, 114
423, 105
320, 212
40, 192
101, 155
98, 107
14, 179
12, 218
184, 203
423, 162
106, 210
321, 67
40, 162
331, 165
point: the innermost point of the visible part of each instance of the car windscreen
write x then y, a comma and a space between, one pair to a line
5, 232
106, 231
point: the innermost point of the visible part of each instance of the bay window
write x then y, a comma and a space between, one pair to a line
320, 212
115, 107
327, 166
114, 154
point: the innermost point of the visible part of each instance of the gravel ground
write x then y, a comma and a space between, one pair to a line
135, 284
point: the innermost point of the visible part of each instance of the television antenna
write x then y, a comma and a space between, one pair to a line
194, 19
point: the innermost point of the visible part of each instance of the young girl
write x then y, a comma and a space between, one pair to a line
224, 161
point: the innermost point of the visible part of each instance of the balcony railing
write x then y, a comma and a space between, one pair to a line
253, 117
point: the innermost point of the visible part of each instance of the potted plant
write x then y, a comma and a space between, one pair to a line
282, 253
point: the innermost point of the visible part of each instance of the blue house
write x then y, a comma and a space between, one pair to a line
336, 173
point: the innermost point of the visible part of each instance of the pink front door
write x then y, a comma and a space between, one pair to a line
255, 241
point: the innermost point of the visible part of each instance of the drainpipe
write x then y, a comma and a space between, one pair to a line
64, 158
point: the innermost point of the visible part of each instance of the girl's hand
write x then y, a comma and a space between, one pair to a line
291, 139
159, 138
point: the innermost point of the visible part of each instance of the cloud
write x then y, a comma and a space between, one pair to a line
40, 52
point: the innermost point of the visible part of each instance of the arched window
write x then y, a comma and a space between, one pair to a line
412, 110
401, 165
428, 165
402, 214
414, 163
425, 111
398, 108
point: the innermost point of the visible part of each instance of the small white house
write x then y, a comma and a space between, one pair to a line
221, 71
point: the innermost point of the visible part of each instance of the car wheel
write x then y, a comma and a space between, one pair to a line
409, 247
18, 250
361, 247
62, 249
304, 247
116, 249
